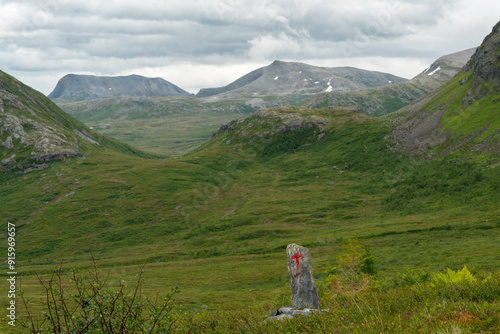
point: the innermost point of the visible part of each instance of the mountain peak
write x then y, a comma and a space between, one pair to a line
278, 63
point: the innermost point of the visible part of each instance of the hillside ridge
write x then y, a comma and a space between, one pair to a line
34, 131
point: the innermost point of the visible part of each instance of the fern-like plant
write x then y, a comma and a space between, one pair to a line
454, 277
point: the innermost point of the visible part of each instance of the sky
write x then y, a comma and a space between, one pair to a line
198, 44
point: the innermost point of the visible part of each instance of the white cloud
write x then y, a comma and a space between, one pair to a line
271, 46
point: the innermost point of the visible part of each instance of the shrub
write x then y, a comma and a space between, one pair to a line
355, 270
93, 307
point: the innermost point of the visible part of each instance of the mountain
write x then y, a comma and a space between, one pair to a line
73, 87
462, 115
378, 101
35, 132
297, 78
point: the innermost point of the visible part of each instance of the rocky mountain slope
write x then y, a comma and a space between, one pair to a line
297, 78
382, 100
462, 115
34, 131
73, 87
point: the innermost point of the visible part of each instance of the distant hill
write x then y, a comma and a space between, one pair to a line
297, 78
73, 87
382, 100
462, 115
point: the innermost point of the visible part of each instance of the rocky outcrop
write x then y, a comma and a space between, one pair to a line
484, 67
272, 122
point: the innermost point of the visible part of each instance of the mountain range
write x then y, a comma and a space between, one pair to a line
420, 187
174, 125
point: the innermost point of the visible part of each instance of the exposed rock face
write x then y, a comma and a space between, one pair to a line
74, 87
303, 288
485, 67
47, 143
8, 143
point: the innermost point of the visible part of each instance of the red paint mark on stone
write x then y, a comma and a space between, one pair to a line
296, 257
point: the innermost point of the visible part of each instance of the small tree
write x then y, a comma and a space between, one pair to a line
355, 269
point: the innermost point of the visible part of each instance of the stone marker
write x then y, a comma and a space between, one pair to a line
304, 294
303, 288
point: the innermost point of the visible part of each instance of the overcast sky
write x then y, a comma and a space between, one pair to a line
210, 43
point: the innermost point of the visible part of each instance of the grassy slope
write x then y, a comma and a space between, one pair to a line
216, 222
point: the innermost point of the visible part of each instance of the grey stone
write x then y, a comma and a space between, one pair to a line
286, 312
304, 293
9, 161
90, 140
8, 143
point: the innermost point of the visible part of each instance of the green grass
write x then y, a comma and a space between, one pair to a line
216, 222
